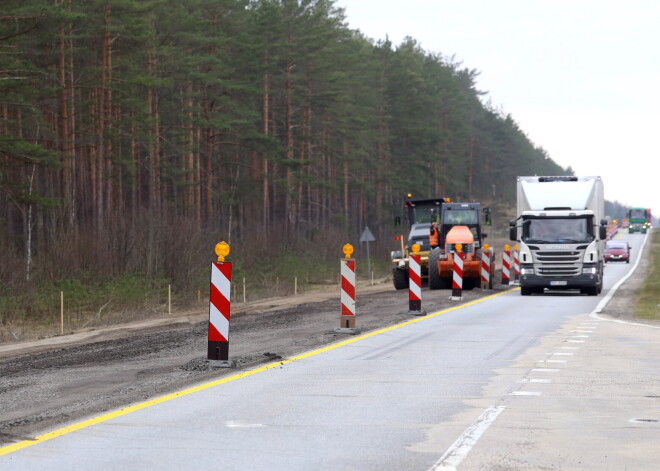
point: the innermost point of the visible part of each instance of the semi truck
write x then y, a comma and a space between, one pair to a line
561, 231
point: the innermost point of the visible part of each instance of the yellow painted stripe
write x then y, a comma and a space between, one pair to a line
143, 405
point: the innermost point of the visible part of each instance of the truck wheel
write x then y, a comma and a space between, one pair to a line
400, 278
591, 291
525, 291
434, 275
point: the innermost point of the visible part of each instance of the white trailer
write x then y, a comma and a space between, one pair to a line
561, 233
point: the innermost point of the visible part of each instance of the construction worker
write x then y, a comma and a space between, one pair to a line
434, 236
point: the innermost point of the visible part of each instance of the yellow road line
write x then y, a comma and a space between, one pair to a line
143, 405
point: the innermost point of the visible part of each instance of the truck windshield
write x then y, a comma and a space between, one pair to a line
557, 230
638, 214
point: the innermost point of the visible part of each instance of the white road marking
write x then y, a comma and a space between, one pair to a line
241, 424
582, 331
544, 370
606, 299
569, 348
573, 341
562, 354
580, 336
524, 393
535, 380
456, 453
551, 361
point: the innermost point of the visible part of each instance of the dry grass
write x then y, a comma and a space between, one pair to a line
647, 305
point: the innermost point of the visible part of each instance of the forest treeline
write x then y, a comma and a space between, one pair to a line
137, 133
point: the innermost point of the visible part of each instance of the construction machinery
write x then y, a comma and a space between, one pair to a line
420, 214
459, 223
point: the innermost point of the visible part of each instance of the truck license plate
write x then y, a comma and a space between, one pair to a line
558, 283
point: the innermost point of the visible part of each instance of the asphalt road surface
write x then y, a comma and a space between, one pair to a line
502, 382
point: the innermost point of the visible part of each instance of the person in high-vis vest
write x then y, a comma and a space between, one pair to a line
434, 236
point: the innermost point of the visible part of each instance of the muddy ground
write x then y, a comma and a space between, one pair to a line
52, 382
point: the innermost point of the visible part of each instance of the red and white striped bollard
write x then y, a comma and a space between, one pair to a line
347, 317
506, 264
219, 309
415, 282
516, 265
457, 280
485, 267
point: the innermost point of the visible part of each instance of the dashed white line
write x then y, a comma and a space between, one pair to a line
573, 341
525, 393
456, 453
535, 380
544, 370
565, 354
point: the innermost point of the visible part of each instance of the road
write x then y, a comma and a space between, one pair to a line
503, 382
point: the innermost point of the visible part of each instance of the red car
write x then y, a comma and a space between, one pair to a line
616, 250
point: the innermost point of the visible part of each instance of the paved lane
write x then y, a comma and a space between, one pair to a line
394, 400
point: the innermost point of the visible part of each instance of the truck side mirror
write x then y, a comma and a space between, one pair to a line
602, 233
512, 230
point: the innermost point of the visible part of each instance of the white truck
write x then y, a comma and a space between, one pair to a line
561, 232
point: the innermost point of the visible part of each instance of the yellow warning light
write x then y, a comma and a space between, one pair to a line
415, 248
222, 250
486, 247
448, 200
458, 246
507, 247
409, 195
515, 247
348, 250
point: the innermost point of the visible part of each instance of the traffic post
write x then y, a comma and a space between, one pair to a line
506, 264
516, 265
415, 282
457, 280
347, 317
485, 267
219, 309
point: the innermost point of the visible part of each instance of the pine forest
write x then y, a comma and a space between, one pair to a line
135, 134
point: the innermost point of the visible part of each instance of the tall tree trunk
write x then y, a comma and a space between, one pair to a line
264, 169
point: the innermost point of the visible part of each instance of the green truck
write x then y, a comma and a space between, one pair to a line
639, 220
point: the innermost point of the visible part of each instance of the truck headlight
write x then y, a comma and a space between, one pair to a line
589, 271
526, 271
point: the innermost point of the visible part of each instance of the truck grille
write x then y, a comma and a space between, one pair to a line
557, 264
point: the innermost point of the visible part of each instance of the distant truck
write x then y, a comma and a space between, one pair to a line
639, 220
561, 230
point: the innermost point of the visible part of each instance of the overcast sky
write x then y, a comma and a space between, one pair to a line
580, 77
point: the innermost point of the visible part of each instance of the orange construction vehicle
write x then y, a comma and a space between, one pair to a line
460, 222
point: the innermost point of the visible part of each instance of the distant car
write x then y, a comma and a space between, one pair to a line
616, 250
